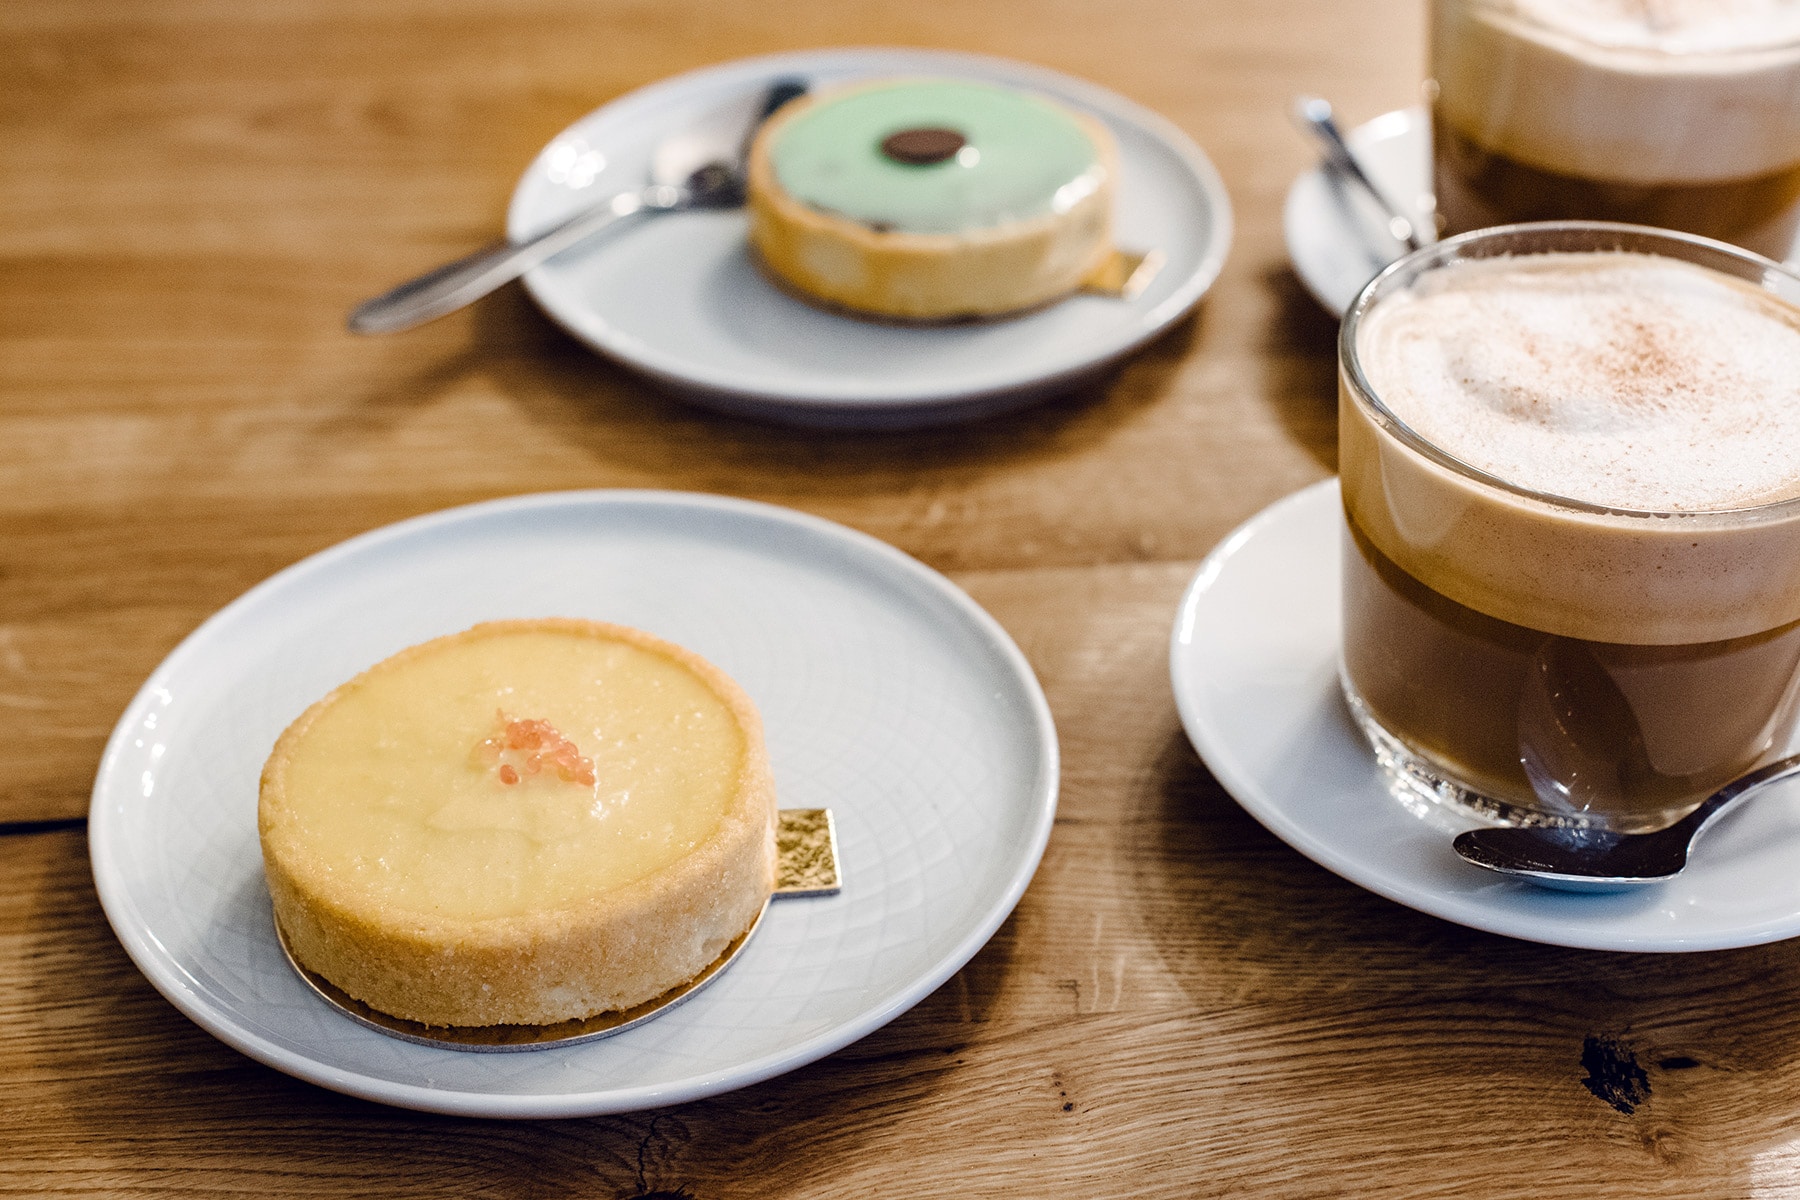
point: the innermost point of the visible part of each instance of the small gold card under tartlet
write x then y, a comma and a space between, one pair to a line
806, 864
1124, 274
806, 860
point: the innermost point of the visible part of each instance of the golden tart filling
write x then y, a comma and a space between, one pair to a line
527, 822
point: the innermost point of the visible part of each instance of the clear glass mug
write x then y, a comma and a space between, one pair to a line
1539, 659
1577, 119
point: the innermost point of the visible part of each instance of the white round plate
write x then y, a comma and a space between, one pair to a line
1336, 236
1253, 658
887, 694
680, 299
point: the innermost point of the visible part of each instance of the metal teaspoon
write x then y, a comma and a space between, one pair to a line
701, 167
1313, 113
1574, 859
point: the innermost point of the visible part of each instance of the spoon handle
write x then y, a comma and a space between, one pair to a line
449, 287
1313, 113
1727, 797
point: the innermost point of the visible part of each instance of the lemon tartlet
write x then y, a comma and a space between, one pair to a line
528, 822
931, 199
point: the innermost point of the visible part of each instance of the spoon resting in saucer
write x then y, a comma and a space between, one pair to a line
1313, 114
1586, 859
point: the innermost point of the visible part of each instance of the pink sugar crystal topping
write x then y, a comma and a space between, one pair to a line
525, 748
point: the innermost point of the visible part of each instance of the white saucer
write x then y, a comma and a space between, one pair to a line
1253, 658
679, 298
888, 696
1336, 237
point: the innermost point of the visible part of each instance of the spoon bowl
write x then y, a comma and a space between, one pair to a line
1588, 859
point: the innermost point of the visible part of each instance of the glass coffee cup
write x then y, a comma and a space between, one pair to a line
1570, 459
1683, 115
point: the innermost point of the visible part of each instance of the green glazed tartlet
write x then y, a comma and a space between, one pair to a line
931, 199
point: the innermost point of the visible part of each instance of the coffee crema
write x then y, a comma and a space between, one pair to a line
1601, 381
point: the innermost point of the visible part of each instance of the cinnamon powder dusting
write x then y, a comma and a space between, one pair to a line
524, 748
1626, 380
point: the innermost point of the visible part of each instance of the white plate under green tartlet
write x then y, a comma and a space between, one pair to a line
680, 299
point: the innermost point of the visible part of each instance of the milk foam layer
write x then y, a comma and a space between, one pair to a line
1624, 380
1627, 91
1670, 26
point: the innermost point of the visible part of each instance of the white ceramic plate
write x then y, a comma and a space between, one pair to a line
1253, 658
1336, 236
888, 696
679, 298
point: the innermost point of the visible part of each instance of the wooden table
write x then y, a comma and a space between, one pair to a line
192, 194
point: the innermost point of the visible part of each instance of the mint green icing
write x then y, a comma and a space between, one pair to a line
1021, 155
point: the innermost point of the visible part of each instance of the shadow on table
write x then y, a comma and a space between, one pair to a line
1302, 360
106, 1082
627, 426
1445, 1052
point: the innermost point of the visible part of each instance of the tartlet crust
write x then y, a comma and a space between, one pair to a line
612, 951
979, 273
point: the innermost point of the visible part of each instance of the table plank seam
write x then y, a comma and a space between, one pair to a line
50, 825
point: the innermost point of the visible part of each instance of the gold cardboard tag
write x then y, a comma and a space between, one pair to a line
1125, 274
806, 853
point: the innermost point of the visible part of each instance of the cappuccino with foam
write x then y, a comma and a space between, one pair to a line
1683, 114
1571, 472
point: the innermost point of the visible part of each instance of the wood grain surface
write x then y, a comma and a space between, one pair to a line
192, 195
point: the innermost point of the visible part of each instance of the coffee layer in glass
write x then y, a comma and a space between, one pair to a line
1529, 725
1684, 117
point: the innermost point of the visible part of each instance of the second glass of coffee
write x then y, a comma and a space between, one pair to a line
1683, 114
1570, 457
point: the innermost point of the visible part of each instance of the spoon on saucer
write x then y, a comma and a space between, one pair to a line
1578, 859
702, 167
1313, 114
